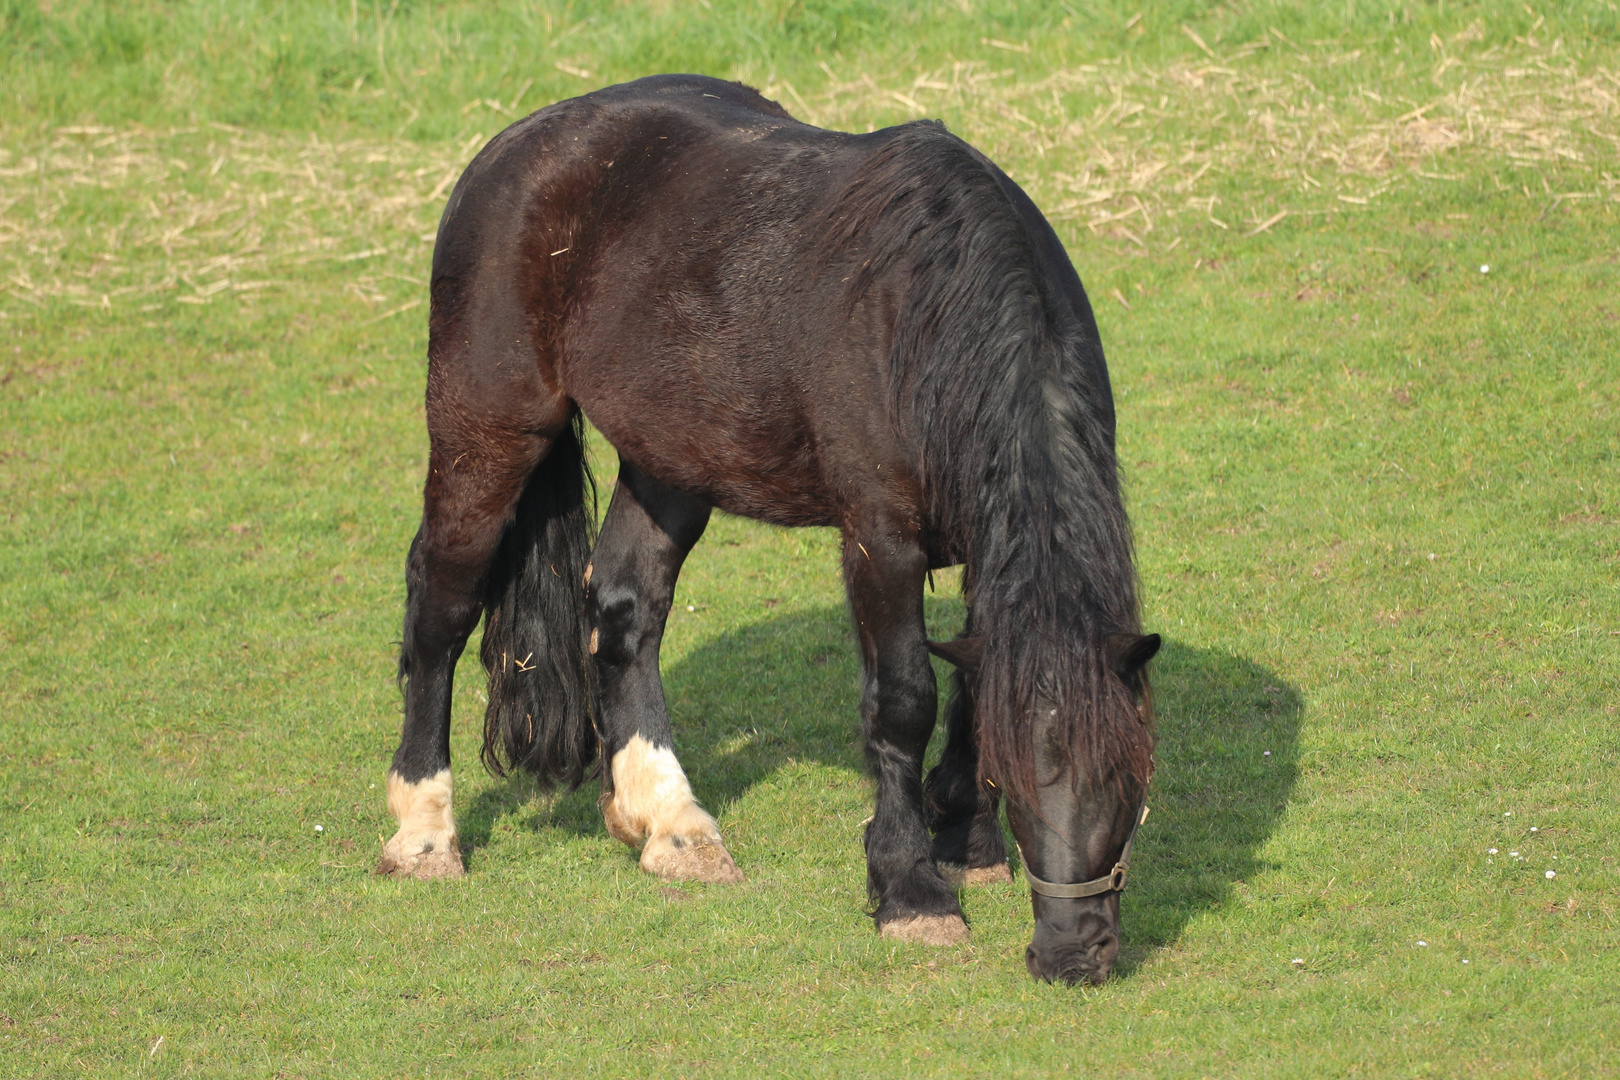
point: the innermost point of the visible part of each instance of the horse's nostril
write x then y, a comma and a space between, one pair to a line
1032, 961
1070, 966
1082, 973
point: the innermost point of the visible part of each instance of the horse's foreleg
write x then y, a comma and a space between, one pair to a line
471, 488
963, 813
646, 800
883, 569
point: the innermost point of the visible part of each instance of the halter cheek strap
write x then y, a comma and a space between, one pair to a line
1114, 881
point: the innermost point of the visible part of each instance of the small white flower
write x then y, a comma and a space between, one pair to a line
1515, 854
1534, 829
1465, 961
1508, 814
1492, 851
691, 607
1551, 874
1485, 269
1297, 960
1423, 944
1268, 753
319, 828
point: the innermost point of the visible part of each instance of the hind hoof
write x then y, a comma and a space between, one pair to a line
927, 930
995, 874
423, 865
962, 876
425, 846
676, 858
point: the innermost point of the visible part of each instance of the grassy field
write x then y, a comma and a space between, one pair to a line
1357, 268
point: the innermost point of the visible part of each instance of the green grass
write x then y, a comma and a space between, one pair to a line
1374, 491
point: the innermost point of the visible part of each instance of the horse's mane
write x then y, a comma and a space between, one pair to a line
999, 381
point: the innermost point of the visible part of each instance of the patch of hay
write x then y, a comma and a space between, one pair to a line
101, 217
132, 217
1119, 148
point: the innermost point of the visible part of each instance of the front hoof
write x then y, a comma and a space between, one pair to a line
927, 930
426, 865
677, 858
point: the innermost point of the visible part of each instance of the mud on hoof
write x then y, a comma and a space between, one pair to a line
651, 807
964, 876
677, 858
927, 930
425, 846
422, 865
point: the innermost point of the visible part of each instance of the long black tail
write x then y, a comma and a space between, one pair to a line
542, 682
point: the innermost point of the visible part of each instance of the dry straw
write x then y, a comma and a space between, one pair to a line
1175, 141
114, 218
106, 217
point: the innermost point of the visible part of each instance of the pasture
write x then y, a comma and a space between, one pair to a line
1357, 271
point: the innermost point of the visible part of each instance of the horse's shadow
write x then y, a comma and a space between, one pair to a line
749, 701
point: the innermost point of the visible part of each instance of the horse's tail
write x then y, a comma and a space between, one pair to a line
542, 681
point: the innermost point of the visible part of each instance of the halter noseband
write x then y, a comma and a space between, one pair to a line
1113, 881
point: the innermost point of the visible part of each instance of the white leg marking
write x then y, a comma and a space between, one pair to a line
652, 807
425, 845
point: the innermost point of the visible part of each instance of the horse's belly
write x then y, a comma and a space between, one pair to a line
733, 458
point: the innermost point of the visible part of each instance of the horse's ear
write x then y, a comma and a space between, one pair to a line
965, 653
1128, 654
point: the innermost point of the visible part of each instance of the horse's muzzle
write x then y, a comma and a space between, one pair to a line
1075, 954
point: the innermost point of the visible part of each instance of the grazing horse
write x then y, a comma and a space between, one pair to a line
875, 332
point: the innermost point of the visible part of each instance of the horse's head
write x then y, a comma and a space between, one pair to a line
1074, 831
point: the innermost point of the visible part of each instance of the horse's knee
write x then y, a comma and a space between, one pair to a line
900, 705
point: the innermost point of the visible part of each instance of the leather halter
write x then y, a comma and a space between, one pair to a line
1113, 881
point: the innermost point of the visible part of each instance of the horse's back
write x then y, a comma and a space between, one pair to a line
663, 242
694, 268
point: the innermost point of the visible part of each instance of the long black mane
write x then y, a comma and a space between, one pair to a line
997, 374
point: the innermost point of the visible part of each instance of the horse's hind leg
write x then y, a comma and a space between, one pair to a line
963, 813
646, 800
486, 441
883, 567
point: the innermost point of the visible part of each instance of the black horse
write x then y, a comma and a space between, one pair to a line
878, 332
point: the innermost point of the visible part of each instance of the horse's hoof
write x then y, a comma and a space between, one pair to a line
960, 876
927, 930
425, 846
422, 865
677, 858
